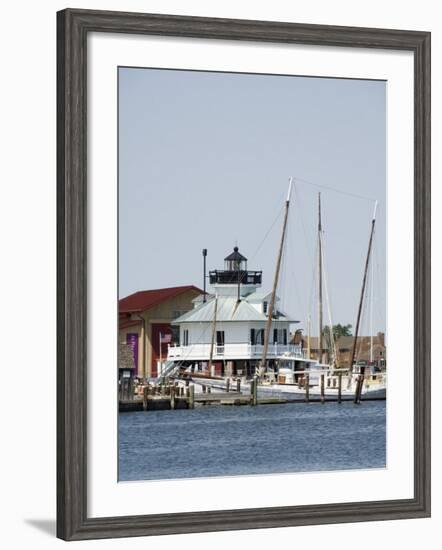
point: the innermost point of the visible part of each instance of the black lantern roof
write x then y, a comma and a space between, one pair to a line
235, 256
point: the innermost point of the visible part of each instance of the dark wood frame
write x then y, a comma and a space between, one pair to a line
73, 27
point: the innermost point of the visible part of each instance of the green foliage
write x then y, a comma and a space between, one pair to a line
338, 331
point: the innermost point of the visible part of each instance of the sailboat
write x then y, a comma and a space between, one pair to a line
323, 379
217, 346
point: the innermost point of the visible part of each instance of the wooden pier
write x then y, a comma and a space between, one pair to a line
173, 396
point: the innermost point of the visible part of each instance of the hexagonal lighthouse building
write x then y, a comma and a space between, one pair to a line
228, 325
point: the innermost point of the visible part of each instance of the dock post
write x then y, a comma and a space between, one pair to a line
358, 390
172, 398
322, 388
254, 391
238, 385
339, 388
307, 388
204, 388
227, 385
191, 401
145, 397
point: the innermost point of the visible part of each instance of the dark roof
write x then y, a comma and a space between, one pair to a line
127, 323
147, 299
235, 256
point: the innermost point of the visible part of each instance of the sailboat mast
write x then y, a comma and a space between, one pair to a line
371, 310
212, 341
364, 282
275, 281
319, 280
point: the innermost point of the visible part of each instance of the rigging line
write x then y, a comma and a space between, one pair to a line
327, 299
298, 206
267, 234
363, 322
294, 279
313, 283
380, 316
312, 259
337, 190
282, 280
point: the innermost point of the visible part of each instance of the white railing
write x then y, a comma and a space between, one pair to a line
232, 351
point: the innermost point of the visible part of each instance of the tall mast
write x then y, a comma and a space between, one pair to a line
319, 280
371, 309
364, 282
212, 341
275, 282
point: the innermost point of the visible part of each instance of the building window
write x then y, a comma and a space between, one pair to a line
252, 336
175, 335
265, 306
185, 337
280, 336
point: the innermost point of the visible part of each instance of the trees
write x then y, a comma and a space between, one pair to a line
338, 331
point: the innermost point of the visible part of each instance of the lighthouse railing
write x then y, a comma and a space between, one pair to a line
242, 350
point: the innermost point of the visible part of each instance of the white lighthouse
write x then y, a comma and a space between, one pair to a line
228, 328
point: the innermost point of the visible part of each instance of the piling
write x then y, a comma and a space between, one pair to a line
322, 388
339, 388
238, 385
172, 398
307, 388
358, 389
145, 397
191, 399
254, 392
228, 385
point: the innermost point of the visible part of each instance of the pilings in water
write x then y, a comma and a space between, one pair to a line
322, 388
254, 392
358, 390
307, 388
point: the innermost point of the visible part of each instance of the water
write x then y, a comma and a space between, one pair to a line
226, 441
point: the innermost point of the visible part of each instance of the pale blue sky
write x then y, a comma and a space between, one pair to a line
204, 161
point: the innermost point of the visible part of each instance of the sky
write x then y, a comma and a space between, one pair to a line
204, 162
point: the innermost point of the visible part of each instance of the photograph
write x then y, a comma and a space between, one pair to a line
252, 258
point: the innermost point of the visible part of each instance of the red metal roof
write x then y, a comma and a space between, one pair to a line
146, 299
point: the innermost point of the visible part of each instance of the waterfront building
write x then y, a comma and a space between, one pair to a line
145, 319
229, 324
370, 350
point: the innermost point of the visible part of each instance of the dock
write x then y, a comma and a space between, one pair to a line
167, 402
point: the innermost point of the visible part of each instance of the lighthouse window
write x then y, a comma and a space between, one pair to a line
185, 337
280, 336
264, 307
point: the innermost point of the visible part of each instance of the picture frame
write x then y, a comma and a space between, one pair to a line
73, 28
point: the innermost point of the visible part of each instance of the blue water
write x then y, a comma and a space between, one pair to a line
225, 440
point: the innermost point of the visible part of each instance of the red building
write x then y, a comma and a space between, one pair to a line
144, 324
